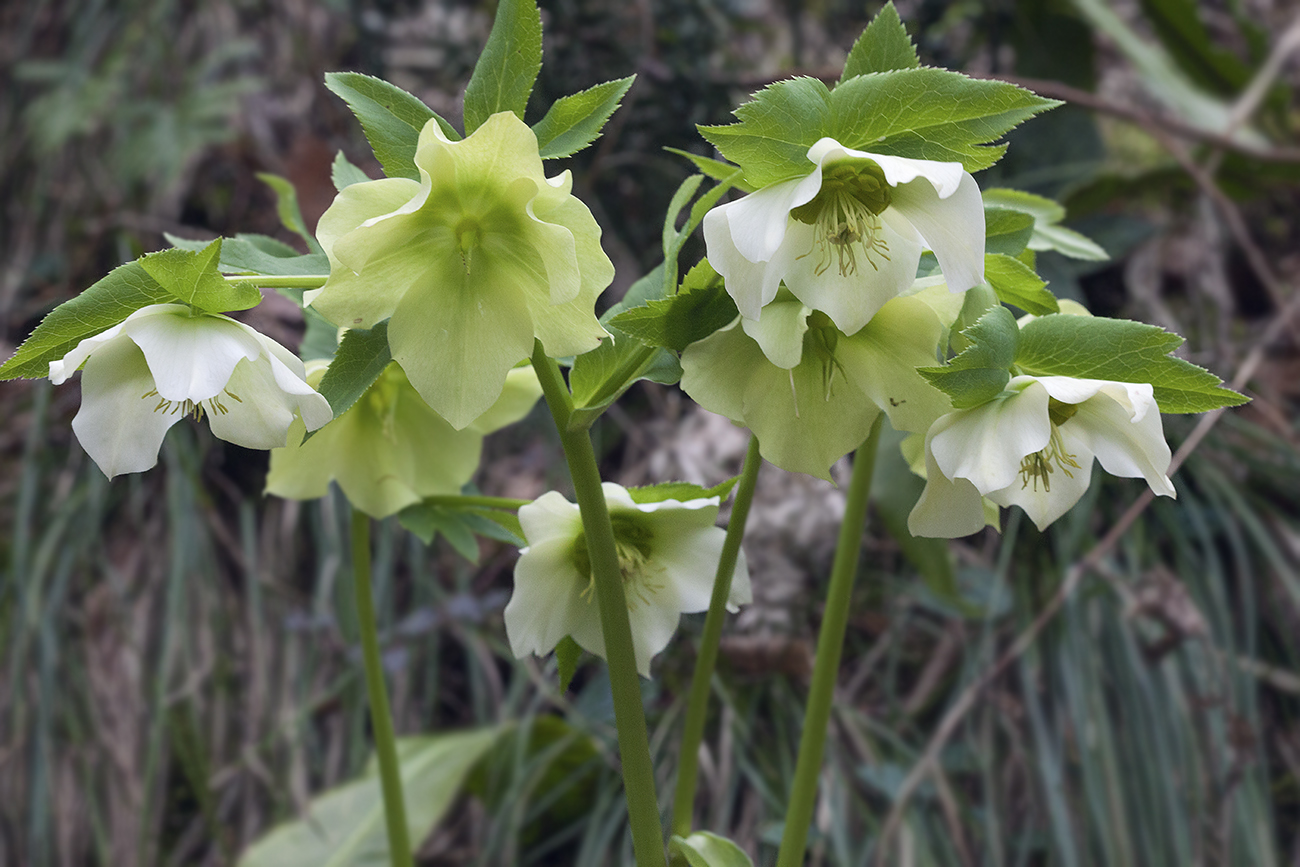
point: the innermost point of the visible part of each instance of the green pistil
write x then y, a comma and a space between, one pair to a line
846, 215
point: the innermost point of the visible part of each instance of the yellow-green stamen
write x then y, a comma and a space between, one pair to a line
1041, 464
846, 216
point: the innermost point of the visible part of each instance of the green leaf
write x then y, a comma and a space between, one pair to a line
259, 254
1067, 242
776, 129
701, 308
573, 122
703, 849
883, 46
931, 114
286, 204
391, 118
681, 491
716, 169
108, 302
1018, 285
980, 372
345, 174
503, 77
1042, 209
345, 827
427, 521
568, 654
1093, 347
1006, 231
194, 279
1046, 235
361, 357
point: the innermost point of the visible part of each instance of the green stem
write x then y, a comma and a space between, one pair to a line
625, 683
830, 644
509, 504
697, 706
305, 281
381, 719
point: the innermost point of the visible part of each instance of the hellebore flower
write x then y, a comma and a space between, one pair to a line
390, 450
471, 262
847, 237
667, 551
1033, 447
809, 392
166, 361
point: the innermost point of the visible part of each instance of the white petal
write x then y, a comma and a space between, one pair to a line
1044, 506
547, 603
1127, 445
948, 508
850, 300
685, 566
985, 444
191, 357
652, 628
779, 331
1137, 398
757, 223
116, 425
254, 411
550, 516
952, 227
943, 176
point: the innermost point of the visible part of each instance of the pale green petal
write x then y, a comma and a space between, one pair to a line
1127, 446
458, 335
298, 474
948, 508
717, 369
550, 516
985, 444
934, 291
952, 227
191, 357
119, 427
882, 359
653, 627
548, 603
1044, 506
517, 400
779, 331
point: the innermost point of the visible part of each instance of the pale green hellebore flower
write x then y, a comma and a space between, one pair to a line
847, 237
390, 450
470, 263
166, 361
809, 392
668, 553
1033, 447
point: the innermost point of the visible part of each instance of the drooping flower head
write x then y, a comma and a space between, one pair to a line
471, 263
847, 237
166, 361
1033, 446
390, 449
668, 552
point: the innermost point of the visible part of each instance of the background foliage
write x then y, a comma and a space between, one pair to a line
179, 669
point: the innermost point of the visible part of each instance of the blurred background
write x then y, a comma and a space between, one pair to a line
179, 669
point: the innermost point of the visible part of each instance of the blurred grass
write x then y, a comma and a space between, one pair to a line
179, 669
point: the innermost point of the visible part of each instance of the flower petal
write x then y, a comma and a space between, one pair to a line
948, 508
191, 357
953, 227
779, 331
757, 223
985, 444
1127, 443
547, 603
120, 430
943, 176
517, 400
252, 411
1044, 506
550, 516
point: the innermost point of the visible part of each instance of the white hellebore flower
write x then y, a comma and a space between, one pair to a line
166, 361
847, 237
1033, 447
668, 553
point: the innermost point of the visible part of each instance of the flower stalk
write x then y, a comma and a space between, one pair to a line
625, 685
381, 719
830, 646
697, 706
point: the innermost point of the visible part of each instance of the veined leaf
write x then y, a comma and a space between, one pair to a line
982, 370
506, 70
699, 309
344, 173
681, 491
883, 45
1006, 231
391, 118
573, 122
775, 131
360, 358
286, 203
193, 277
1016, 283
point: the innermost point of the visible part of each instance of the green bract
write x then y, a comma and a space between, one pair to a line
390, 450
471, 263
809, 392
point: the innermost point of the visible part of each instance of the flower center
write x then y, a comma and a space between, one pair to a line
468, 235
632, 542
187, 406
846, 216
819, 348
1041, 464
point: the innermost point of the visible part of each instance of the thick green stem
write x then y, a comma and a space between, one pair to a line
697, 706
625, 683
830, 644
381, 719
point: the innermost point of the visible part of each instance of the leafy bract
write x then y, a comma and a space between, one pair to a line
703, 849
192, 277
1046, 234
459, 525
1088, 347
286, 205
716, 169
920, 113
344, 173
680, 491
883, 46
391, 118
506, 70
262, 255
1016, 283
1006, 231
358, 361
108, 302
345, 827
568, 653
575, 121
982, 370
701, 307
